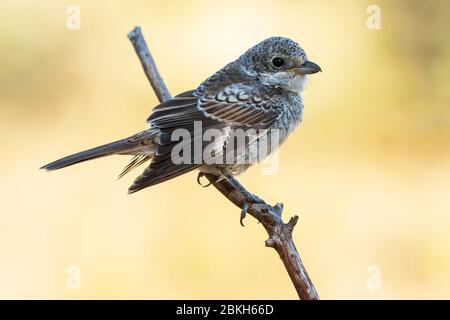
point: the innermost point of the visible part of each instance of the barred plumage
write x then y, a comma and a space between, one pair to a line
259, 92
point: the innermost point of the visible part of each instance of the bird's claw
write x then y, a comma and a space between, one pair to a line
200, 175
250, 200
245, 207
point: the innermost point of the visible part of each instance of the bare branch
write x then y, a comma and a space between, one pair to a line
280, 234
152, 73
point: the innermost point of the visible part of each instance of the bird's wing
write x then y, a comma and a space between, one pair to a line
227, 100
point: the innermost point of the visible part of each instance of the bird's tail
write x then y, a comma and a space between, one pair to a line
141, 143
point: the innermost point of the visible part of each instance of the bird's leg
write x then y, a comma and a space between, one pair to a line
250, 198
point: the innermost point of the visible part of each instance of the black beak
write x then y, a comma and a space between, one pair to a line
308, 67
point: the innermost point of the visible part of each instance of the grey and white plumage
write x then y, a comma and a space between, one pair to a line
255, 91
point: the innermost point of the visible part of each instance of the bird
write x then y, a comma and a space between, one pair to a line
259, 92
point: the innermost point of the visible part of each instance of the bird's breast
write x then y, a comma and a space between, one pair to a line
290, 118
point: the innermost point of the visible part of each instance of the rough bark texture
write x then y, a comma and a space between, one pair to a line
280, 234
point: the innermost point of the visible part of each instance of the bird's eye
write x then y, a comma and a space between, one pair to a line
277, 62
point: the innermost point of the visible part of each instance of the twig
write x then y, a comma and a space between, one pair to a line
152, 73
280, 234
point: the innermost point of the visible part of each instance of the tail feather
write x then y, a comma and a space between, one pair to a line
135, 162
132, 145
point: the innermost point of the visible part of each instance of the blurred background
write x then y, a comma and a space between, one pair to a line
368, 171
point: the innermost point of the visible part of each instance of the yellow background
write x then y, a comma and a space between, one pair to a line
368, 171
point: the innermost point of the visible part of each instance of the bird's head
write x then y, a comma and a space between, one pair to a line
279, 62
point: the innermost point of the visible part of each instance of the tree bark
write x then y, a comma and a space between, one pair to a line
280, 233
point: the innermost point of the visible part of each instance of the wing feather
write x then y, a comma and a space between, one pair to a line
230, 99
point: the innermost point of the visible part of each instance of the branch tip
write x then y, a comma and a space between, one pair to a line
270, 243
279, 208
132, 34
292, 222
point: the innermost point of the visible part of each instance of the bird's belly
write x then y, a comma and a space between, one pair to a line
253, 153
261, 147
